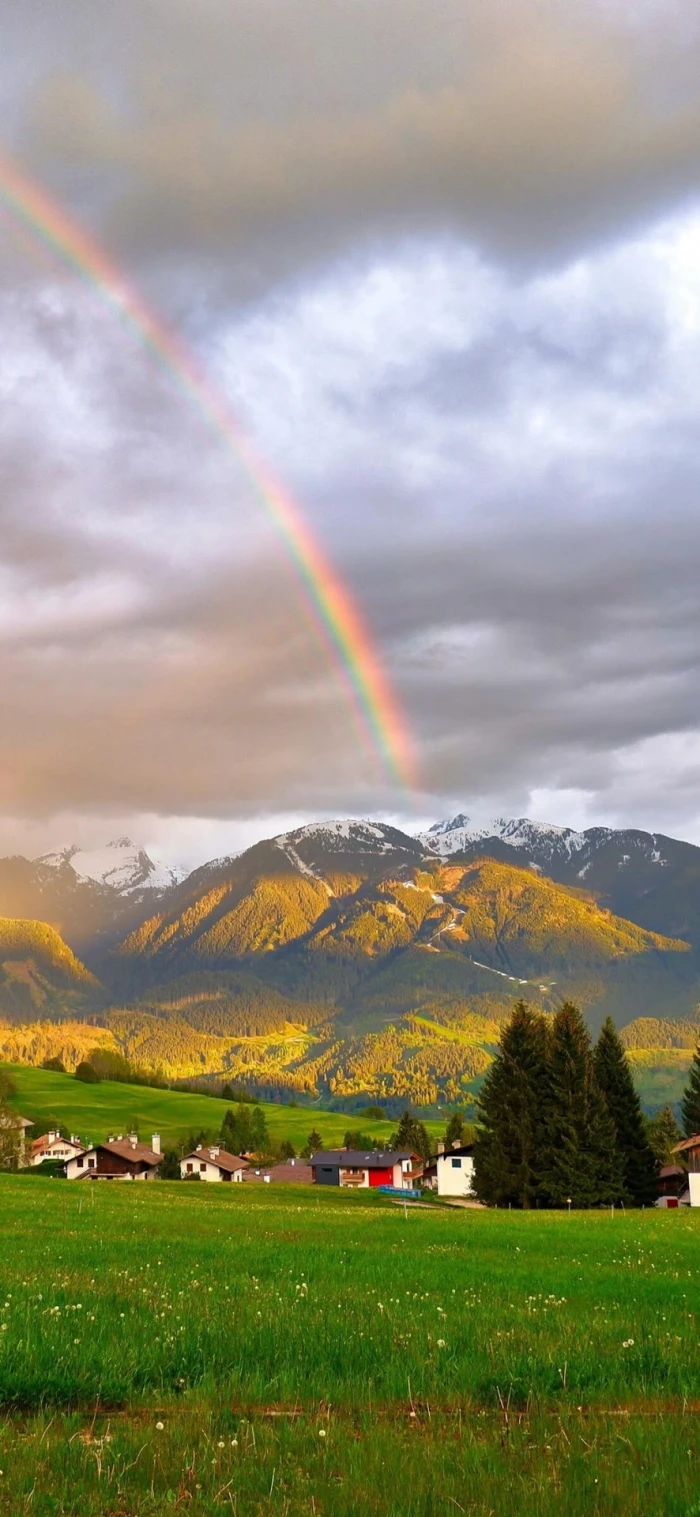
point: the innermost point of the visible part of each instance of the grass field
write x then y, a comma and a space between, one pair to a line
192, 1348
96, 1111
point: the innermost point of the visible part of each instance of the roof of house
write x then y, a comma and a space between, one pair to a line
292, 1170
692, 1142
139, 1153
668, 1170
457, 1151
352, 1158
9, 1119
215, 1155
49, 1139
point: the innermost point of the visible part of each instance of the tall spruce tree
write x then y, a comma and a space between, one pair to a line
580, 1162
690, 1105
509, 1137
411, 1134
663, 1133
638, 1165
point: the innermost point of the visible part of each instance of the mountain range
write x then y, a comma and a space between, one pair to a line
351, 960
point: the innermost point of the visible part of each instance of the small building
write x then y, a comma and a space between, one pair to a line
14, 1131
52, 1146
117, 1159
212, 1164
292, 1171
451, 1172
673, 1186
689, 1155
361, 1171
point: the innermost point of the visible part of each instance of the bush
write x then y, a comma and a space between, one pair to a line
87, 1074
56, 1065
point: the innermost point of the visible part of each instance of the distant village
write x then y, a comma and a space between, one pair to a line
395, 1172
125, 1157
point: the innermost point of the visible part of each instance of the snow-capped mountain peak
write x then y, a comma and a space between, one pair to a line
121, 864
461, 833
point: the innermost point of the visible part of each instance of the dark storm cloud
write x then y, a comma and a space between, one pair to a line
269, 133
443, 261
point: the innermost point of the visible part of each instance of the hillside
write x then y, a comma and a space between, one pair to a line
40, 976
95, 1111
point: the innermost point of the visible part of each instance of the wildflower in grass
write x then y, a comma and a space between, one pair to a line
322, 1432
441, 1343
160, 1426
628, 1343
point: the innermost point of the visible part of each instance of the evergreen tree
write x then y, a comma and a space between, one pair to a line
357, 1140
663, 1133
170, 1168
411, 1134
454, 1132
510, 1134
614, 1077
690, 1105
313, 1144
258, 1131
287, 1149
580, 1162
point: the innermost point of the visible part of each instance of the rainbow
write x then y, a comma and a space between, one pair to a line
333, 611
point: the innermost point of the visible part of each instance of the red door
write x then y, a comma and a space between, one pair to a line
381, 1176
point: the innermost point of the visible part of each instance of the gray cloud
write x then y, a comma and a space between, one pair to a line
451, 289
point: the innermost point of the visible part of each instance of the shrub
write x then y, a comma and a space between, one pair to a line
87, 1074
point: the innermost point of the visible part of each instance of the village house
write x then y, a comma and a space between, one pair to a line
689, 1155
53, 1146
117, 1159
13, 1139
451, 1172
212, 1164
673, 1186
358, 1170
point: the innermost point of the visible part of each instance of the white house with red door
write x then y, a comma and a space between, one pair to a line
362, 1171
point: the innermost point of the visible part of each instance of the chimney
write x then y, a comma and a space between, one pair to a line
133, 1139
441, 1147
198, 1149
52, 1137
457, 1144
155, 1142
213, 1151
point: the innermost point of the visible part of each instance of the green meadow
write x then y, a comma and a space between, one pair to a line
266, 1350
96, 1111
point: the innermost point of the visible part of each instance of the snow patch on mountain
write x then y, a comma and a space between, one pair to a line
460, 833
121, 865
335, 836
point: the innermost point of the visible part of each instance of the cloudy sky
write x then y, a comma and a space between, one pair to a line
443, 261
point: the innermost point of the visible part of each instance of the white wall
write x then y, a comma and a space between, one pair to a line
455, 1175
694, 1188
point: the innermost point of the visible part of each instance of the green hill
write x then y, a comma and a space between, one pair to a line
95, 1111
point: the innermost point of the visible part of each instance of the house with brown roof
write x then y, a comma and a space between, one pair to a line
117, 1159
52, 1146
212, 1164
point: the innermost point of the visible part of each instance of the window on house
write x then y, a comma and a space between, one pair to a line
81, 1163
92, 1163
456, 1163
190, 1169
202, 1166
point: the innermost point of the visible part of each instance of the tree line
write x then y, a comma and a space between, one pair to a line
560, 1121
